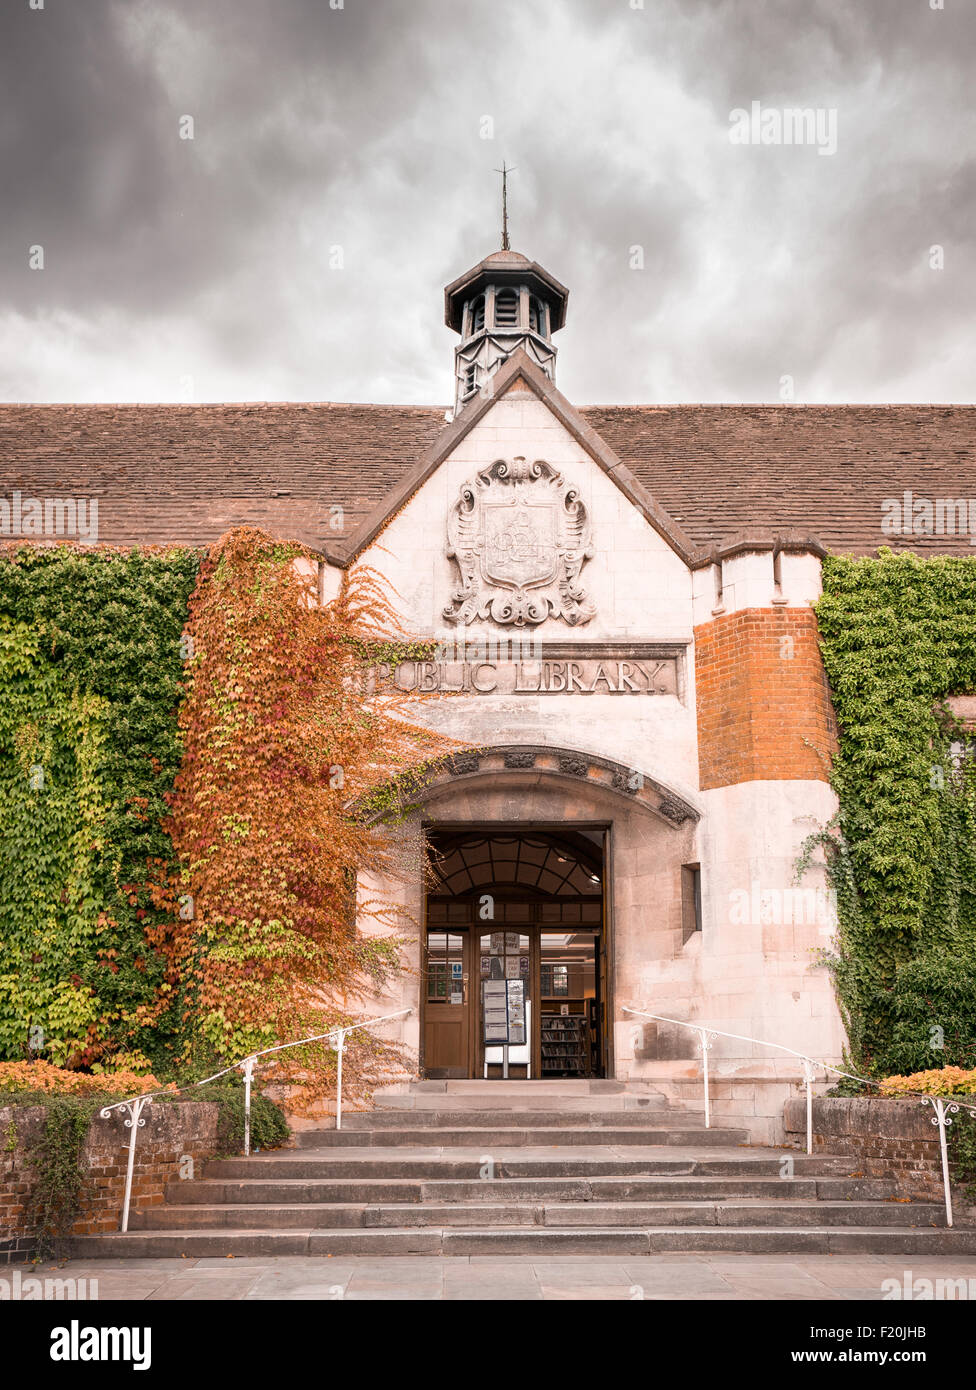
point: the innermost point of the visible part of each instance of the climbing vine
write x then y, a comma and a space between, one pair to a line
898, 636
285, 735
90, 675
200, 767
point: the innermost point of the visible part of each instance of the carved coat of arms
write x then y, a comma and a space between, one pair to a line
519, 536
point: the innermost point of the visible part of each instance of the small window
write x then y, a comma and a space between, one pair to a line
537, 315
506, 309
478, 315
691, 901
470, 382
553, 981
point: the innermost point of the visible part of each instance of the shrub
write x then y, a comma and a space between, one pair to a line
269, 1128
43, 1078
945, 1081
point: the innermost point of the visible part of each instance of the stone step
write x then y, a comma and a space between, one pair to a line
528, 1240
510, 1162
635, 1215
534, 1190
579, 1086
419, 1103
472, 1136
471, 1118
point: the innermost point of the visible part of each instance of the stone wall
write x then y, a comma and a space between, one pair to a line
887, 1138
747, 753
172, 1134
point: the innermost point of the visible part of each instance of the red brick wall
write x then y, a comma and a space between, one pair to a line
764, 711
171, 1132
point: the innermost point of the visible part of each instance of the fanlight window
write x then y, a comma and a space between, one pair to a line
506, 309
567, 865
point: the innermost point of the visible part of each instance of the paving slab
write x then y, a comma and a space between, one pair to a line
660, 1277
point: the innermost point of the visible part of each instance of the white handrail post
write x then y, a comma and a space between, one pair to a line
135, 1104
941, 1118
808, 1078
134, 1123
943, 1109
705, 1045
248, 1064
340, 1047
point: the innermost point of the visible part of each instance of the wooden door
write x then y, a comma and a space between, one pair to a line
447, 1012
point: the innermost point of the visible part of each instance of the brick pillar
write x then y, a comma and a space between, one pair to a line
764, 711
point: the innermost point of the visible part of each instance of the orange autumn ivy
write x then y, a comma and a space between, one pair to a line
43, 1076
283, 737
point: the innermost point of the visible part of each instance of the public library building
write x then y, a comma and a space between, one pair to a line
622, 600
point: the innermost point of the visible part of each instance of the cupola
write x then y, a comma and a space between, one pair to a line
505, 302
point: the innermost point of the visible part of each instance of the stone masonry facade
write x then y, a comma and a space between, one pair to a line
885, 1138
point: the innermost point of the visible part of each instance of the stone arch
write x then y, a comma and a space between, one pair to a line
648, 830
633, 786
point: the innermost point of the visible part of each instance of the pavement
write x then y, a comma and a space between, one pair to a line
708, 1277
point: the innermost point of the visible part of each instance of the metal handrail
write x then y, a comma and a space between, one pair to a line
134, 1106
943, 1106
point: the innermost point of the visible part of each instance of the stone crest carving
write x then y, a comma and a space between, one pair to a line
519, 535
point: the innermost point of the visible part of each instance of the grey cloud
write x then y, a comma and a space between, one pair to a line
360, 128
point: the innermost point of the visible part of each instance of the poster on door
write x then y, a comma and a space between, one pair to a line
494, 1011
515, 1000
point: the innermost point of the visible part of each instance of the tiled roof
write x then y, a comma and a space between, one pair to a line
823, 470
183, 474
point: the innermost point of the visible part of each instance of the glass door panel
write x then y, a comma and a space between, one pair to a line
506, 1002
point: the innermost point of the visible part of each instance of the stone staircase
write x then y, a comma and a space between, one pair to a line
522, 1168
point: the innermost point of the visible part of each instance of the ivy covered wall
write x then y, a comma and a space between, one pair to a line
91, 670
179, 728
92, 667
898, 638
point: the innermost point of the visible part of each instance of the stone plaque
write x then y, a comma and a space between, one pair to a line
587, 675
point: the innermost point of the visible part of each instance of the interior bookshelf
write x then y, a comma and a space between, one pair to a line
565, 1045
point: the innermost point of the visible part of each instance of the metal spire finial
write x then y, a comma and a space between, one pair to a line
505, 171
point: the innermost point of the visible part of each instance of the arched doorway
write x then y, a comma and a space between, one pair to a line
516, 976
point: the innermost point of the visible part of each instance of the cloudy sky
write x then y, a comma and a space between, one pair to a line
208, 268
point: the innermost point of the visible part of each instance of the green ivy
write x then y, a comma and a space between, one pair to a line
898, 636
962, 1150
54, 1203
91, 669
51, 814
56, 1198
269, 1128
